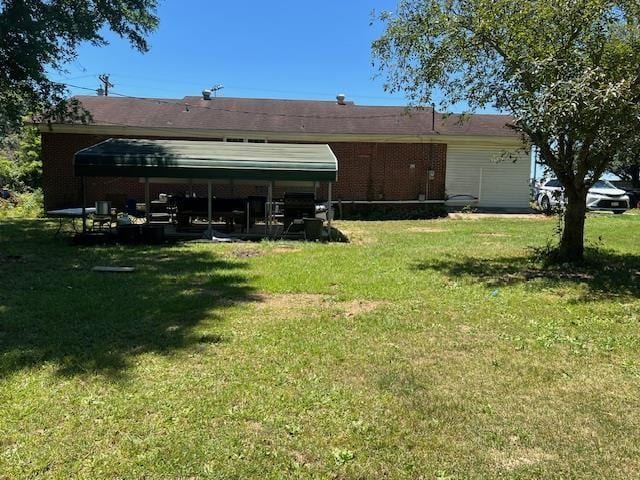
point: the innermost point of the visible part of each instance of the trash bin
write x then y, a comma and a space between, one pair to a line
313, 228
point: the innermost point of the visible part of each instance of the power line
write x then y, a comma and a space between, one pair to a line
75, 86
175, 81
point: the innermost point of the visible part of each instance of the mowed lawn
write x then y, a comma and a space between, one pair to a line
423, 349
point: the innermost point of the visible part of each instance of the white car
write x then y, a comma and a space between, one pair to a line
603, 195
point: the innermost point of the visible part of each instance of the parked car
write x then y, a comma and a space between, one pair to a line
602, 196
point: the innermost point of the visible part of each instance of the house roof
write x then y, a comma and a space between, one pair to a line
211, 160
286, 116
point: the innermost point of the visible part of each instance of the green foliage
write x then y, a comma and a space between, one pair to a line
626, 162
565, 69
393, 212
23, 205
20, 162
38, 36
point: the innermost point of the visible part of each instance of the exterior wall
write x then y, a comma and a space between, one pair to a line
473, 170
389, 171
366, 171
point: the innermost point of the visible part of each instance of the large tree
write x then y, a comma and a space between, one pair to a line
567, 70
40, 36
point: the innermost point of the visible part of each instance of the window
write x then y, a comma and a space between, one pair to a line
602, 184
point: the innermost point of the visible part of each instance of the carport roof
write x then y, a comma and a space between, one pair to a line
124, 157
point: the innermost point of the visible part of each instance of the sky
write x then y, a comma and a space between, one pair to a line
263, 49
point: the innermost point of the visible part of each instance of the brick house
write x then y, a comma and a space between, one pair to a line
385, 154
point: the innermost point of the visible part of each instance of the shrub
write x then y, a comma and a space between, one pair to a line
22, 205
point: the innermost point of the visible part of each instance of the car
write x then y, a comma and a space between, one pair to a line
602, 196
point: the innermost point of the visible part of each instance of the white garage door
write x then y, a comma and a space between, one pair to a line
476, 176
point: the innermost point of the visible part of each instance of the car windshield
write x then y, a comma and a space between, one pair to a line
603, 184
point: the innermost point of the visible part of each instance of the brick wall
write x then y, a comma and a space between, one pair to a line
366, 171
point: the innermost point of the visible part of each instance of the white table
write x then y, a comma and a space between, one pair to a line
70, 214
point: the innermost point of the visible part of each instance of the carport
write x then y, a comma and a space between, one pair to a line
210, 161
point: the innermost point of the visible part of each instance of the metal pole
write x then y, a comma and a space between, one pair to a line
248, 207
269, 207
210, 207
329, 210
147, 200
84, 206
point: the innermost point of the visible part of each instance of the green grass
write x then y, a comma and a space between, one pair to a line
423, 349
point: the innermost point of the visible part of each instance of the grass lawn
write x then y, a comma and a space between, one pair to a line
423, 349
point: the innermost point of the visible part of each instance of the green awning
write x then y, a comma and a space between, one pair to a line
123, 157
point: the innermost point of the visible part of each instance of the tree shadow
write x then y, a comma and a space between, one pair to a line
606, 274
54, 310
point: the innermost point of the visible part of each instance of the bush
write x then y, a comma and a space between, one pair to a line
393, 211
23, 205
20, 163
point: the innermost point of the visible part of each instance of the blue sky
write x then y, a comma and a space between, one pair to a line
275, 49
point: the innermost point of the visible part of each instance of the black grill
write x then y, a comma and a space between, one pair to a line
299, 205
609, 203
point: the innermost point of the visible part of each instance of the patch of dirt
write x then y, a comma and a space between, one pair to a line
254, 426
246, 252
520, 457
306, 301
300, 457
288, 301
285, 249
358, 236
426, 230
465, 329
358, 307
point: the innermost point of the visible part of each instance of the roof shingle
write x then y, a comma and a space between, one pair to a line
285, 116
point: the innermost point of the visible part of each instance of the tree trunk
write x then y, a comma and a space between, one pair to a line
572, 242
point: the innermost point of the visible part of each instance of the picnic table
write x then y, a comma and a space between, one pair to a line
70, 215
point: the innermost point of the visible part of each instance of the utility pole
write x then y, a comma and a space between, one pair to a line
216, 88
104, 78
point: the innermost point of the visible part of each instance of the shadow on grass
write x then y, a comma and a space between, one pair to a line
55, 311
606, 274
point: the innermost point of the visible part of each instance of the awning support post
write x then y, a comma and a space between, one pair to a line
269, 207
84, 205
329, 213
210, 209
248, 216
147, 200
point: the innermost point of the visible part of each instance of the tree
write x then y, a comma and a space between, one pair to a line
566, 70
38, 36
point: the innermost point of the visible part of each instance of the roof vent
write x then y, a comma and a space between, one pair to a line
206, 94
341, 97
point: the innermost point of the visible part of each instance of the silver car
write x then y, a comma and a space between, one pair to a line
603, 195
